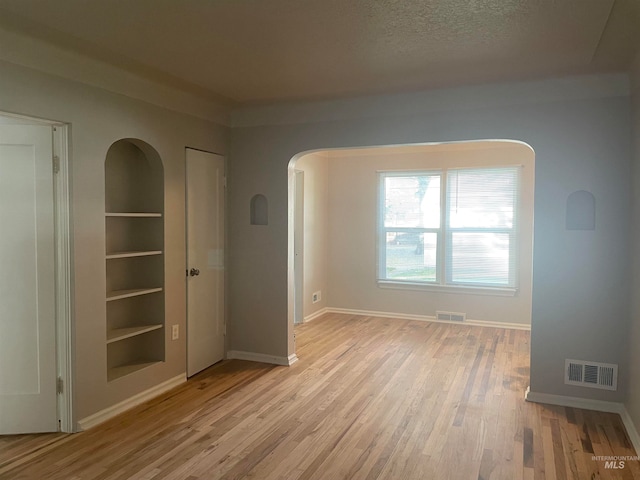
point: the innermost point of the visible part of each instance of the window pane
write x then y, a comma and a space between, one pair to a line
482, 198
411, 256
412, 201
480, 258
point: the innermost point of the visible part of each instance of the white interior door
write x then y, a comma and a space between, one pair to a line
205, 260
27, 281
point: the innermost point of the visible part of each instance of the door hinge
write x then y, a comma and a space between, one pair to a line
56, 164
224, 181
59, 386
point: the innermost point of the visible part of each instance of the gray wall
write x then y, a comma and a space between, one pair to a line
315, 230
579, 129
633, 388
99, 118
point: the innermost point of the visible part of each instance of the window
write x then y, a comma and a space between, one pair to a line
452, 227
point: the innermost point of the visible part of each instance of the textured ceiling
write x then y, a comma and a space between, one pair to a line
253, 51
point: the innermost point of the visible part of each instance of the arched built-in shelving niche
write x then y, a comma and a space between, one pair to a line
134, 216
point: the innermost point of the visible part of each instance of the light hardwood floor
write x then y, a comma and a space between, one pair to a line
370, 398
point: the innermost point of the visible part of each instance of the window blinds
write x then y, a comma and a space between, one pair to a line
481, 226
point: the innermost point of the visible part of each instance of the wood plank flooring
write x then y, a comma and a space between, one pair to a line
370, 398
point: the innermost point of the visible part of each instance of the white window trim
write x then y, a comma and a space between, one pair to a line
441, 288
440, 284
380, 228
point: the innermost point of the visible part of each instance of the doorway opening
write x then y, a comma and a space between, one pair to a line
401, 231
39, 317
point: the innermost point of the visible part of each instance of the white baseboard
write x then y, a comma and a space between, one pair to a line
118, 408
631, 429
588, 404
574, 402
262, 358
428, 318
315, 315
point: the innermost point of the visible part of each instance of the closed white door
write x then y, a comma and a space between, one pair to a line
27, 281
205, 260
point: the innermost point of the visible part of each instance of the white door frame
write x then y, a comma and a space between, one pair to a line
298, 241
63, 263
64, 278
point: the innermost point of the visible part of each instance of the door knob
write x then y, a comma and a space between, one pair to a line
194, 272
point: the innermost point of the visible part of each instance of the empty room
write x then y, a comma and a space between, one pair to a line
319, 240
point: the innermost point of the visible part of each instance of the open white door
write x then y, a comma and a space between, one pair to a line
205, 260
27, 281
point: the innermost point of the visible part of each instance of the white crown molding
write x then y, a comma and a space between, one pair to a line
48, 58
435, 100
635, 75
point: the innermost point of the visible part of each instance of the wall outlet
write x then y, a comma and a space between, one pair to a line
175, 332
317, 296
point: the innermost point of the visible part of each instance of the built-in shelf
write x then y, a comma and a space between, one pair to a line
142, 253
123, 333
133, 214
120, 294
135, 254
117, 372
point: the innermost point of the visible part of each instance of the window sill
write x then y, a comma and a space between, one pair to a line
455, 289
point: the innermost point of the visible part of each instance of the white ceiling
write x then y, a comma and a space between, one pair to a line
258, 51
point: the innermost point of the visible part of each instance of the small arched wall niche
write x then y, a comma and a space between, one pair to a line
134, 216
259, 210
581, 211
